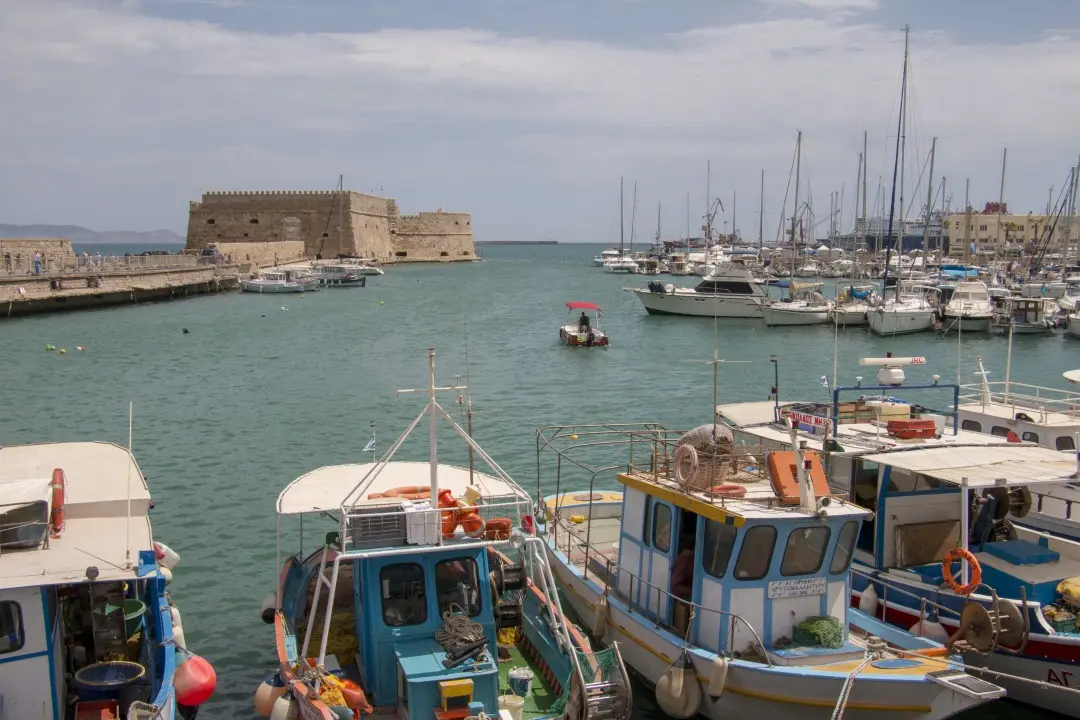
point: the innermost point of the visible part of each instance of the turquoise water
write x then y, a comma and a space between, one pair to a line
253, 396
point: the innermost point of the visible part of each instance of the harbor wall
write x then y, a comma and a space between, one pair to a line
20, 251
262, 254
328, 223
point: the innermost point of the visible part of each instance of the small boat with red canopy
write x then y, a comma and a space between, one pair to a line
585, 330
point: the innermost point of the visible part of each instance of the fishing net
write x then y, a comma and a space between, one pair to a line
824, 631
596, 666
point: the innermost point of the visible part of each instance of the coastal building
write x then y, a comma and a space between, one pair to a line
264, 226
996, 230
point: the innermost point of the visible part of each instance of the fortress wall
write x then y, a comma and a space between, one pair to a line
26, 247
263, 254
369, 227
434, 236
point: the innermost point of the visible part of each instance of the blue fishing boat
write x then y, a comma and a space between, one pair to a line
87, 628
430, 597
947, 551
724, 577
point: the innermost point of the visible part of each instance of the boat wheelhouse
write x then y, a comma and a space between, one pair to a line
86, 625
937, 493
583, 331
724, 579
415, 608
730, 292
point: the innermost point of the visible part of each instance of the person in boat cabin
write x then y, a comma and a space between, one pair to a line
682, 570
583, 322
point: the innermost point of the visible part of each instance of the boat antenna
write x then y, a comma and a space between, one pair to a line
131, 460
468, 401
716, 362
776, 387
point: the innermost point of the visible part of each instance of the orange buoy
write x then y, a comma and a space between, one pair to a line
407, 492
452, 518
355, 699
56, 519
194, 681
973, 564
472, 524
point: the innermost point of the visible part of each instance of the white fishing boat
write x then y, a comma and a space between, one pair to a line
969, 309
431, 582
280, 281
338, 275
732, 292
803, 307
725, 582
87, 628
364, 266
851, 305
1026, 316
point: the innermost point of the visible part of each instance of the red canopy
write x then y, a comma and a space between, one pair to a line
582, 306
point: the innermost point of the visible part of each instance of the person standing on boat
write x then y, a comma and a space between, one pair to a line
682, 570
583, 322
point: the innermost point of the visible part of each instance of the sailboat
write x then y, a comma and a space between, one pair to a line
905, 312
803, 306
623, 263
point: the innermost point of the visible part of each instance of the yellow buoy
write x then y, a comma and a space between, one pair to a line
63, 351
381, 302
577, 519
573, 436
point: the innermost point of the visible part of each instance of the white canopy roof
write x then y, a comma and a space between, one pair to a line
326, 488
1072, 376
984, 466
96, 532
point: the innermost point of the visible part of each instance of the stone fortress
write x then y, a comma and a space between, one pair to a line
266, 227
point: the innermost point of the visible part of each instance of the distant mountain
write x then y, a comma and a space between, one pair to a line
83, 236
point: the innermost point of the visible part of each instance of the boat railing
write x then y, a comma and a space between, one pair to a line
613, 570
1022, 396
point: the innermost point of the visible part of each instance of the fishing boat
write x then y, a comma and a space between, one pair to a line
87, 628
584, 332
417, 608
802, 307
279, 281
940, 495
724, 578
337, 275
851, 305
730, 292
969, 309
1026, 316
364, 266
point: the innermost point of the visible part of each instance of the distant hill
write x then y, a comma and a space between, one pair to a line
84, 236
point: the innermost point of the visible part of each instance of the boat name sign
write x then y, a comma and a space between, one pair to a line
796, 588
808, 419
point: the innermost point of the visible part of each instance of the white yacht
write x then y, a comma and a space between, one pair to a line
621, 264
731, 292
364, 266
969, 309
279, 281
906, 312
852, 304
609, 254
804, 307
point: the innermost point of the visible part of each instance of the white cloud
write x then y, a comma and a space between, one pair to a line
825, 5
99, 87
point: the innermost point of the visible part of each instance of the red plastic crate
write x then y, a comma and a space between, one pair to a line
97, 710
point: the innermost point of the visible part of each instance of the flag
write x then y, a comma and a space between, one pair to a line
370, 447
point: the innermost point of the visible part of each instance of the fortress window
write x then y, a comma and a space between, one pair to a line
245, 234
401, 253
326, 234
254, 221
210, 221
443, 254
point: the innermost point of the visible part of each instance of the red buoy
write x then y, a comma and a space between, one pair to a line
194, 681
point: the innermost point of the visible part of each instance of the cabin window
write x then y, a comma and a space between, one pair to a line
661, 528
841, 557
1030, 437
719, 542
1065, 443
457, 585
756, 553
12, 636
998, 431
866, 480
648, 519
404, 596
805, 550
972, 425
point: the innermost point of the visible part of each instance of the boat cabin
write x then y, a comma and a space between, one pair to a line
1019, 411
84, 620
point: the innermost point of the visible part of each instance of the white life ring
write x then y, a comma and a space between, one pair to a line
683, 453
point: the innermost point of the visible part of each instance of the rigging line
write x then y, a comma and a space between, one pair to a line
787, 189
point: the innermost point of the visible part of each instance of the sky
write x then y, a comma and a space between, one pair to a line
527, 113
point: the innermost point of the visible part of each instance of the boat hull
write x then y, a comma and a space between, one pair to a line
899, 322
570, 335
267, 288
751, 689
850, 316
967, 323
700, 304
775, 316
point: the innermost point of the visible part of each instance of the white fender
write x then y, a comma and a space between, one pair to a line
718, 679
868, 602
174, 615
678, 692
180, 641
166, 556
268, 608
166, 573
931, 630
285, 708
266, 696
599, 623
683, 453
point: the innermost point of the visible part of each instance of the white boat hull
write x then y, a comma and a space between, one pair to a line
259, 287
700, 304
967, 323
1073, 328
847, 316
900, 322
751, 690
778, 315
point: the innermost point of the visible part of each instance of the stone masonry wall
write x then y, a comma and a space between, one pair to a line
262, 254
434, 236
22, 250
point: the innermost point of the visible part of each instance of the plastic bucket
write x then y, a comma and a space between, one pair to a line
512, 704
133, 612
520, 680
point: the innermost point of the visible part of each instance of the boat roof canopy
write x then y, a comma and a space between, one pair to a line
984, 467
580, 305
1072, 376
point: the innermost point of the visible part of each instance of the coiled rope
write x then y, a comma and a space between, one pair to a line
457, 630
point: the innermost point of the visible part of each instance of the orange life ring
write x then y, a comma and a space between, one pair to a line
728, 491
973, 564
407, 492
56, 519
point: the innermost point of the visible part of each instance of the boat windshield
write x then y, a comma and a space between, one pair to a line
725, 287
457, 585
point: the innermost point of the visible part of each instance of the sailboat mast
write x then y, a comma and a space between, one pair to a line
967, 221
761, 216
621, 217
864, 173
903, 156
897, 162
433, 431
734, 194
658, 205
633, 218
929, 198
1001, 197
708, 203
795, 215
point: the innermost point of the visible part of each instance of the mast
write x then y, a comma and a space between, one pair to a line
967, 221
903, 156
1001, 198
657, 227
341, 215
795, 215
708, 203
733, 196
761, 216
897, 163
688, 227
633, 218
621, 217
929, 199
865, 219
